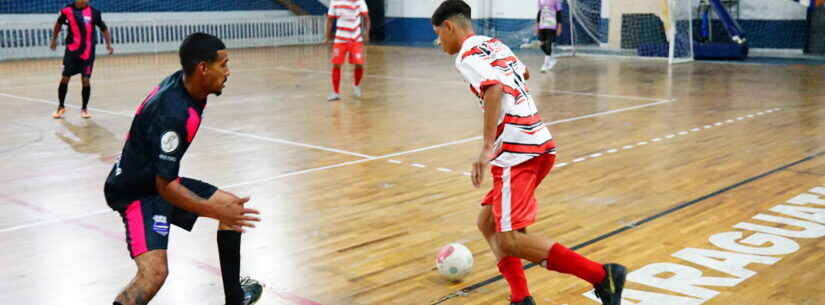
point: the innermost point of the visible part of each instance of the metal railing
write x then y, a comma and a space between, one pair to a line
30, 39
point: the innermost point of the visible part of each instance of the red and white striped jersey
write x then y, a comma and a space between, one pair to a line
521, 135
348, 13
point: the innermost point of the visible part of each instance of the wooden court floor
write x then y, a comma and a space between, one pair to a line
707, 180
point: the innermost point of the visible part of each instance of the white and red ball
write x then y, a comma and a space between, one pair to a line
454, 261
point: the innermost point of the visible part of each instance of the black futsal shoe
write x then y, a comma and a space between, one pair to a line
610, 289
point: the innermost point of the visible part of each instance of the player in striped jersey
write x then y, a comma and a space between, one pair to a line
521, 151
350, 17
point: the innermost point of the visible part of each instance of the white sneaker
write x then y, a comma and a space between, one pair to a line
551, 64
333, 97
544, 68
356, 90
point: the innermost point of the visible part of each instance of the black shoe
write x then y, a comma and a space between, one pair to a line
252, 290
528, 300
610, 289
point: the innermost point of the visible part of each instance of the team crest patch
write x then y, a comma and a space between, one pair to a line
160, 225
169, 142
87, 19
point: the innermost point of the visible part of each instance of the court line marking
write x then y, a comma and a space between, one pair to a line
465, 291
418, 165
206, 266
219, 130
594, 155
316, 169
431, 147
378, 76
56, 220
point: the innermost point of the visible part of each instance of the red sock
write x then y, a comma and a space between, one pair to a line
359, 73
564, 260
513, 272
336, 79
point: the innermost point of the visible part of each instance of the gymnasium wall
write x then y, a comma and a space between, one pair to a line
768, 23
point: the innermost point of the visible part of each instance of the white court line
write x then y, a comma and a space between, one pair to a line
281, 141
289, 175
312, 170
628, 97
220, 130
431, 147
428, 80
45, 222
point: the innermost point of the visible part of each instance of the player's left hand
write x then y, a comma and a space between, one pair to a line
366, 38
110, 49
480, 166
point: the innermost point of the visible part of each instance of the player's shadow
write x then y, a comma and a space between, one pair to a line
90, 138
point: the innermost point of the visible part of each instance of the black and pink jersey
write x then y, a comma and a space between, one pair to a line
82, 35
162, 129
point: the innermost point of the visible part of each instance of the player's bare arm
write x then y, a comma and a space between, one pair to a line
108, 38
232, 213
492, 110
57, 27
367, 26
328, 32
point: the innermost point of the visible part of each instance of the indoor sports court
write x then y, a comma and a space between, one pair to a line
690, 137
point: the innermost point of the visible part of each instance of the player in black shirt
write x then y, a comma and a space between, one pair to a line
81, 20
145, 188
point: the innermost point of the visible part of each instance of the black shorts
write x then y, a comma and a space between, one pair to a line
547, 35
147, 220
74, 65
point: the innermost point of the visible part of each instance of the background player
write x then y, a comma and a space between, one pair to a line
144, 186
349, 38
549, 27
522, 152
81, 19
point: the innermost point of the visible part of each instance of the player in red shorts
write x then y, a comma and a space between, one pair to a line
522, 152
349, 39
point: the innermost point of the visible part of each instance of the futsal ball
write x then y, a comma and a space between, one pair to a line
454, 261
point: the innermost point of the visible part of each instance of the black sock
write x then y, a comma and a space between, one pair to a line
229, 254
61, 93
116, 303
87, 91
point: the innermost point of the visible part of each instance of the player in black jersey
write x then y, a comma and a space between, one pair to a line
145, 188
81, 20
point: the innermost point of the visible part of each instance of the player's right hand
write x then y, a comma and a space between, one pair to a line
235, 215
53, 45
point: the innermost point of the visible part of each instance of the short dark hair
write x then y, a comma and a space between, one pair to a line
199, 47
450, 8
